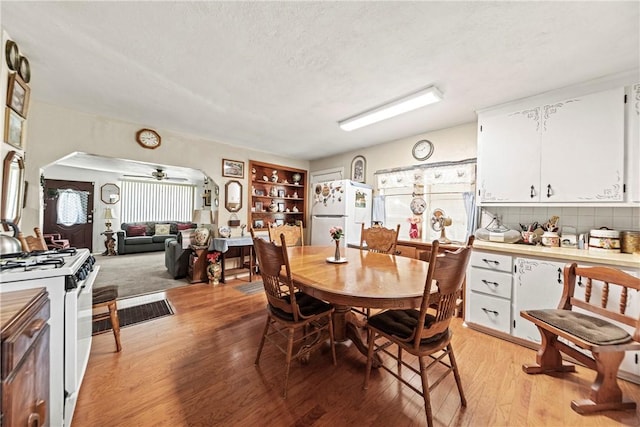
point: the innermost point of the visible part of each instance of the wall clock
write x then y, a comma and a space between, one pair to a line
148, 138
422, 150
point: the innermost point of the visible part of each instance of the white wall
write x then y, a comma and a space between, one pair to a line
55, 132
455, 143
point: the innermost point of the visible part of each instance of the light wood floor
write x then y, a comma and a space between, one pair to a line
196, 369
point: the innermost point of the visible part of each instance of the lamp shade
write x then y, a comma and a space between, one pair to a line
108, 214
202, 216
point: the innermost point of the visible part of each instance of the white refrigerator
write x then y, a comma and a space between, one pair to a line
341, 203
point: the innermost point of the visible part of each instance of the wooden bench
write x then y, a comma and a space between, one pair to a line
594, 333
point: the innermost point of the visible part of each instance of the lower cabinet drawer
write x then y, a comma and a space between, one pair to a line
491, 312
489, 282
491, 261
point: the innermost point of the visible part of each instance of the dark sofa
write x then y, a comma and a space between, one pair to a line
136, 237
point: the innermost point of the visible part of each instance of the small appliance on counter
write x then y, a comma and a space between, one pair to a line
604, 239
497, 233
569, 237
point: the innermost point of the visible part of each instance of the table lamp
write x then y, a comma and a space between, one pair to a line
201, 235
108, 216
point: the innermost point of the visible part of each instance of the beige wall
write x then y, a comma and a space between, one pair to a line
55, 132
455, 143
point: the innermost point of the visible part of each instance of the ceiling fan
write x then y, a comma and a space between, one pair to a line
158, 175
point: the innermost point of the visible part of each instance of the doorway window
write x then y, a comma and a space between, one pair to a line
72, 207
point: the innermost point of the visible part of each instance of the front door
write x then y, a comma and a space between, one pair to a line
68, 210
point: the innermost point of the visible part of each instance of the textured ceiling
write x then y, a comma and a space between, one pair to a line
277, 76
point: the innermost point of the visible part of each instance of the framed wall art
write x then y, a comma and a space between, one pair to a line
18, 95
232, 168
13, 128
358, 169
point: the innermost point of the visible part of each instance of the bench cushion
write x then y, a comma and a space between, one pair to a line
592, 329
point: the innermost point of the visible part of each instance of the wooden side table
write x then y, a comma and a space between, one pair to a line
197, 271
109, 243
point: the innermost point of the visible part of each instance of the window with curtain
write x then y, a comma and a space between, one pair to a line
156, 201
449, 186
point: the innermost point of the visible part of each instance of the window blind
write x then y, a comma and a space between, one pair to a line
156, 201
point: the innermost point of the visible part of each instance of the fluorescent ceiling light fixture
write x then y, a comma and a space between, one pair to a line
394, 108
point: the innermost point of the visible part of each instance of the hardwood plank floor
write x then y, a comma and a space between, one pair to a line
195, 368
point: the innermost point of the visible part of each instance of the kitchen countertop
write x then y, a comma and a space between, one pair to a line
581, 255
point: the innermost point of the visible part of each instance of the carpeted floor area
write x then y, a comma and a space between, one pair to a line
250, 288
136, 274
137, 314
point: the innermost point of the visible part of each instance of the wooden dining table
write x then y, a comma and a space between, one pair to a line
366, 279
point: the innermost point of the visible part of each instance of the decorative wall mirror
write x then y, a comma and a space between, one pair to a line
110, 194
233, 196
12, 187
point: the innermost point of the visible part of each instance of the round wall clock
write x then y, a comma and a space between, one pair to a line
148, 138
422, 150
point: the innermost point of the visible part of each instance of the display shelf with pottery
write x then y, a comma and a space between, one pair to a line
278, 195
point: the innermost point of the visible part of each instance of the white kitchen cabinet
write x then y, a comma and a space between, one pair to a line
488, 291
569, 150
632, 116
509, 156
538, 284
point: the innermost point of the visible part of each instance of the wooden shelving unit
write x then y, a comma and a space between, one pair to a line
286, 190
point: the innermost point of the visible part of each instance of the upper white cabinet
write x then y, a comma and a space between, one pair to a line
552, 151
633, 143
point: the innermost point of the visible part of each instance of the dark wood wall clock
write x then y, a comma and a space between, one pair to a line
148, 138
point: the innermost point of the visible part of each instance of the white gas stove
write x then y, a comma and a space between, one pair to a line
68, 276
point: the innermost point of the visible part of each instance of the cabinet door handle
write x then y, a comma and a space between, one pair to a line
35, 326
490, 311
490, 261
533, 191
580, 281
487, 282
559, 275
549, 190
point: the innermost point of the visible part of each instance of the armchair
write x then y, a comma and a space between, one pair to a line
55, 241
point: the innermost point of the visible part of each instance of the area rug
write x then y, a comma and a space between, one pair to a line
136, 274
250, 288
137, 314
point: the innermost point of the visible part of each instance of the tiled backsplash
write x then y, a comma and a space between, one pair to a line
584, 219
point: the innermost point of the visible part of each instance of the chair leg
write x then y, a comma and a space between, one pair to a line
456, 374
264, 336
288, 362
548, 357
399, 361
115, 324
371, 344
332, 342
425, 391
605, 392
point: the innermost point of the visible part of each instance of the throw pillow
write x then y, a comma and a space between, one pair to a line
184, 237
136, 230
184, 226
162, 229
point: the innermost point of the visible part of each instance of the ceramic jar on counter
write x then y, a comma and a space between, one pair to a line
550, 239
604, 239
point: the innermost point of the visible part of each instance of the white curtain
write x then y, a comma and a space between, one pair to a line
156, 201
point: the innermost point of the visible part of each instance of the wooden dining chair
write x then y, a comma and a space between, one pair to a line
293, 234
424, 332
33, 243
379, 239
289, 311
